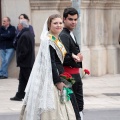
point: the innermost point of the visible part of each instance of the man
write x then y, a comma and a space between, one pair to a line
23, 17
73, 59
25, 56
7, 34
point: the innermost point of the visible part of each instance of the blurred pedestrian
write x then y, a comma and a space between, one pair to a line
23, 17
7, 34
25, 56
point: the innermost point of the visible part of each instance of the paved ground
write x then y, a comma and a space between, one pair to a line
102, 92
8, 88
101, 95
102, 114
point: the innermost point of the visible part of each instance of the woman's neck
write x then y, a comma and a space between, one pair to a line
56, 35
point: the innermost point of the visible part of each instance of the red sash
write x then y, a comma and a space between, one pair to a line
71, 70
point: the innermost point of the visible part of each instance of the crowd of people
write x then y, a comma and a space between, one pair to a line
40, 85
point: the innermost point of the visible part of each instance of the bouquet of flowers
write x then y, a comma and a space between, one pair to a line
67, 79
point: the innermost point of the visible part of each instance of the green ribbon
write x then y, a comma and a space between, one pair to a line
53, 38
68, 92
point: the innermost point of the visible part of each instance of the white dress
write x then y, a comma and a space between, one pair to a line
62, 111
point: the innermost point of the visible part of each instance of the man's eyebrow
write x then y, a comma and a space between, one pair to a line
72, 19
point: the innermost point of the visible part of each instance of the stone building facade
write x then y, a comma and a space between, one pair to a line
99, 29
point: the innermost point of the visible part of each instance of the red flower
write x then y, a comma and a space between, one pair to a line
86, 71
68, 77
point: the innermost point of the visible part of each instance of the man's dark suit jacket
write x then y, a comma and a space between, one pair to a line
71, 47
25, 52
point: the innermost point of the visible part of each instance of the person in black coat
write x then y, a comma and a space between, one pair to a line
23, 17
25, 56
73, 59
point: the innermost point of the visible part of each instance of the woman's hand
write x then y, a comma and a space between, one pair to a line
60, 86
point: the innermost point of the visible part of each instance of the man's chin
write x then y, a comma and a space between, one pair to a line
72, 28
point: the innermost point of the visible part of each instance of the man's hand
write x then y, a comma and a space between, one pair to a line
80, 57
75, 57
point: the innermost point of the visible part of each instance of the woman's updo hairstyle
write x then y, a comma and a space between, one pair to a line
51, 18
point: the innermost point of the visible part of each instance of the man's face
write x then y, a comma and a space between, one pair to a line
71, 21
20, 27
5, 22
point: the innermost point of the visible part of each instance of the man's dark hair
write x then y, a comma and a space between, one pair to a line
69, 11
25, 16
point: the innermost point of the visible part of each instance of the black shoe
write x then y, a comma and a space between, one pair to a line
16, 99
3, 77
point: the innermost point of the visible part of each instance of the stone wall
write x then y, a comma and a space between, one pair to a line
99, 29
41, 9
13, 8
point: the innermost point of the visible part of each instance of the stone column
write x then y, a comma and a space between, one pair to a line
100, 23
113, 49
84, 39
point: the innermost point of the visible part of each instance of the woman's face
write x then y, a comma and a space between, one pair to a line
56, 26
21, 17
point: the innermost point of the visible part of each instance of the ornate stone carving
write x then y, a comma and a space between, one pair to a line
106, 4
49, 4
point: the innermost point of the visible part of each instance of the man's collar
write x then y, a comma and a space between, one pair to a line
6, 27
67, 30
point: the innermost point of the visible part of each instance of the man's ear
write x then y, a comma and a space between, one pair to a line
63, 20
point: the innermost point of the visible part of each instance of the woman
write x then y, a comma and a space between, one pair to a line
42, 99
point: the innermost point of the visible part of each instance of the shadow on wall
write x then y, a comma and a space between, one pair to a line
118, 61
118, 52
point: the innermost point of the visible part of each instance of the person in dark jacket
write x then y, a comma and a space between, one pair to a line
73, 59
25, 55
23, 17
7, 34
